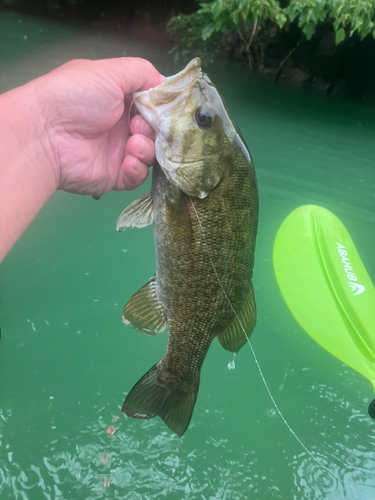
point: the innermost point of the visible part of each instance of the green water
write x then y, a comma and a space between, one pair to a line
67, 362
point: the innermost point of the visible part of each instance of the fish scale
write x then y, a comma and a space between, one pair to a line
205, 211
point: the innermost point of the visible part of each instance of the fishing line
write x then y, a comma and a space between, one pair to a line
254, 355
130, 109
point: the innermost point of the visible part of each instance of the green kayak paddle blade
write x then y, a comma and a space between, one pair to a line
326, 287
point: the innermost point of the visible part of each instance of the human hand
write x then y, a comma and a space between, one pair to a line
69, 130
85, 107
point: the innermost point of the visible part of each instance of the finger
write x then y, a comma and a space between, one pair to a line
142, 148
131, 73
134, 173
138, 74
138, 125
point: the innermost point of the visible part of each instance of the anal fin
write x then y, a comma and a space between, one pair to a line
137, 214
233, 338
143, 311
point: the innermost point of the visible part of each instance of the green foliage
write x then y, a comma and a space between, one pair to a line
201, 32
196, 32
308, 13
187, 31
232, 15
353, 15
347, 16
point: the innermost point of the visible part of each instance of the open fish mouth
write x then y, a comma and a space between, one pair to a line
170, 95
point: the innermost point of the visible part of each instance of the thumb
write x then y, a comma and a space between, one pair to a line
133, 74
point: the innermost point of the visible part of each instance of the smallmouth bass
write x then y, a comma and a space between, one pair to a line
204, 208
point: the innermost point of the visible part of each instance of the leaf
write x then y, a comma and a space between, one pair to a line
340, 36
309, 30
245, 12
208, 31
281, 20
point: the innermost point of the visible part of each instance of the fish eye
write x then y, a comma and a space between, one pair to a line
203, 118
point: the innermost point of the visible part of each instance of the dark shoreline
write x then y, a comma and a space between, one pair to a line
317, 65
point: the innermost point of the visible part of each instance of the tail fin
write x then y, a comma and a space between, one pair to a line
152, 397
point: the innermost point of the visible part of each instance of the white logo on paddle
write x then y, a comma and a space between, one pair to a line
355, 287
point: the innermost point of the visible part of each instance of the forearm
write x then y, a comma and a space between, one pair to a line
27, 177
69, 130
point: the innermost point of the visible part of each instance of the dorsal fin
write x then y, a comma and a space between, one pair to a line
143, 311
137, 214
233, 338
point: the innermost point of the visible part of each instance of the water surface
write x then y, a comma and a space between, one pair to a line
67, 362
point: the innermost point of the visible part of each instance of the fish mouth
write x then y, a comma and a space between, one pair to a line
170, 94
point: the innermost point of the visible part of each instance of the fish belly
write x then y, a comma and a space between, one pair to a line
204, 268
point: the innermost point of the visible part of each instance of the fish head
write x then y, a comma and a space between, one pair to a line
194, 131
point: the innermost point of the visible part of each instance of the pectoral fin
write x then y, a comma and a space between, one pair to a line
143, 311
233, 338
137, 214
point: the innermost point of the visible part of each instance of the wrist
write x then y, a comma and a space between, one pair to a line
23, 126
27, 171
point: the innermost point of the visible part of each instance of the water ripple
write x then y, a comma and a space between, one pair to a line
322, 479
